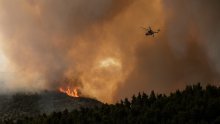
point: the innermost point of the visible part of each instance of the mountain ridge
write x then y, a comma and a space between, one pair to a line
32, 104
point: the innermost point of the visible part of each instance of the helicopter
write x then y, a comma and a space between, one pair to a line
149, 31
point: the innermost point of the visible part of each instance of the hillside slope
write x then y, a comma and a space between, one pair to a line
194, 105
29, 104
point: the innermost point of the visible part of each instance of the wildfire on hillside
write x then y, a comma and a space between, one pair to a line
73, 92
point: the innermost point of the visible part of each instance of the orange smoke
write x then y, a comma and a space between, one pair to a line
70, 92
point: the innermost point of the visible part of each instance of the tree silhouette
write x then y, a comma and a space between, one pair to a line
193, 105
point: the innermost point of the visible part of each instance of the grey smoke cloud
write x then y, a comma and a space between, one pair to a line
99, 45
187, 53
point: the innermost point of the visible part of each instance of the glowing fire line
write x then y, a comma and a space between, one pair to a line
69, 92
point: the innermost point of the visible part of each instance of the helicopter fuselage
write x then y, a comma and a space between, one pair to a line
150, 32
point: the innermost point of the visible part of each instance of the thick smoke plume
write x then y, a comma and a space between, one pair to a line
99, 46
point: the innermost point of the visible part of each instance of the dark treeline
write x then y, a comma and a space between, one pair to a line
193, 105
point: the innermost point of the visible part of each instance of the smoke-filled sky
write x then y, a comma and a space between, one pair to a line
99, 46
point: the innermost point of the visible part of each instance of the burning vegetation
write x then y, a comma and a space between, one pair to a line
73, 92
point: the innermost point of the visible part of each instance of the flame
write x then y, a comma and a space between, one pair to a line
70, 92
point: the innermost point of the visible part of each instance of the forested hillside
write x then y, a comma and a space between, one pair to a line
20, 105
193, 105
